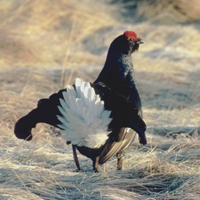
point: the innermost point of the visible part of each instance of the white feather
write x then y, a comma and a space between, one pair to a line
83, 118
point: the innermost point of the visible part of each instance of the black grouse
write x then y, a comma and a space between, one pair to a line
99, 119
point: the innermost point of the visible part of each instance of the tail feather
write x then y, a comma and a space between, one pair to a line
46, 112
83, 116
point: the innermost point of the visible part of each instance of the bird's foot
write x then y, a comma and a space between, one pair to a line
96, 170
77, 170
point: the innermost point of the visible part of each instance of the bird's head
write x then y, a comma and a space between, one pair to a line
127, 43
133, 41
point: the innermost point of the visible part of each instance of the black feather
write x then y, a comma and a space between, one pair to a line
116, 87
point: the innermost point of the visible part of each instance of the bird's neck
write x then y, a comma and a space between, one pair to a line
117, 72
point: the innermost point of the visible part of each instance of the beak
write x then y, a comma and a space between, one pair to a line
140, 41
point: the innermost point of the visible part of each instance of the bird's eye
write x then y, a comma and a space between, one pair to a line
131, 40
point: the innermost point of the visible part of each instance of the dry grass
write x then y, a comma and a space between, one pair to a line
160, 11
167, 11
44, 44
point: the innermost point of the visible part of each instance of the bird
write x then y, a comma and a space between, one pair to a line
100, 119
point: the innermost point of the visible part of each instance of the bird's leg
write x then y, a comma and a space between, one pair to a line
76, 158
120, 156
96, 164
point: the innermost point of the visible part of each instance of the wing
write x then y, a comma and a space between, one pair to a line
83, 117
125, 113
112, 148
137, 124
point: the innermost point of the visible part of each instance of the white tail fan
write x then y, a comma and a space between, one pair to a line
83, 118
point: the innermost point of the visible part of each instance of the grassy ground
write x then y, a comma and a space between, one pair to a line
43, 46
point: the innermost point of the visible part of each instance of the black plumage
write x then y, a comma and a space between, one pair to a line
116, 87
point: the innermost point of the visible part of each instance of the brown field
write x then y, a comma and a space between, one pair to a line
45, 44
